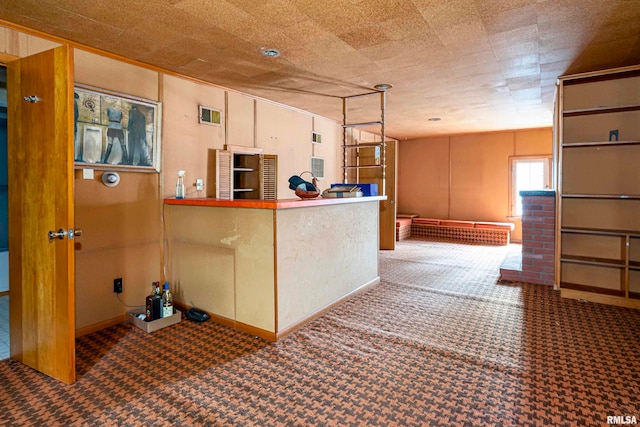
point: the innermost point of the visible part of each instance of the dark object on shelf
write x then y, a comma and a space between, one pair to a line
612, 134
197, 315
304, 189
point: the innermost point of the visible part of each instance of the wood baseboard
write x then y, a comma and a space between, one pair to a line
242, 327
275, 336
252, 330
99, 326
600, 298
291, 328
239, 326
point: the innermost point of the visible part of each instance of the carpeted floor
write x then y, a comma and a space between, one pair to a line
438, 342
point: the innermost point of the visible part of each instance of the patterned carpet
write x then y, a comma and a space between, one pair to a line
437, 343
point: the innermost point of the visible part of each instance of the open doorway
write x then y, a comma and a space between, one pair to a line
4, 238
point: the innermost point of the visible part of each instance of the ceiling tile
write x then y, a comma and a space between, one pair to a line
511, 19
444, 14
482, 65
365, 37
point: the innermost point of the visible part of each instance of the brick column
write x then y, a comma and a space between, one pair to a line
538, 236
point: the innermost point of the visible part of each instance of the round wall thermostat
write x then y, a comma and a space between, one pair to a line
110, 179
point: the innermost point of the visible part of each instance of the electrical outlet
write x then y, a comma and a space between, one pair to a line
199, 184
117, 285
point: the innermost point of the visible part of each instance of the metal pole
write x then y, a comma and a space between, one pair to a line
345, 160
383, 145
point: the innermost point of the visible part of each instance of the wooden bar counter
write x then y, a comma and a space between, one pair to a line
267, 267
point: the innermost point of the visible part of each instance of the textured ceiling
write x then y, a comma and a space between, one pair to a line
479, 65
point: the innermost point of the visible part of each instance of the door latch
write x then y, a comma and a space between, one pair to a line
61, 233
32, 98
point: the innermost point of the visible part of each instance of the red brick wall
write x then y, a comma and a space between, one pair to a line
538, 239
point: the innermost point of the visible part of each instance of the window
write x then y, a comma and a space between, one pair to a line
528, 173
209, 116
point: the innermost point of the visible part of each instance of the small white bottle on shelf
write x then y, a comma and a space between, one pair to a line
180, 185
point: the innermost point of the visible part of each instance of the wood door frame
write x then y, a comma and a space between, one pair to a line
387, 213
4, 60
3, 64
388, 208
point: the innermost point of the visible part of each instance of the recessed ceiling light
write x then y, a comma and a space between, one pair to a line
434, 119
383, 86
270, 52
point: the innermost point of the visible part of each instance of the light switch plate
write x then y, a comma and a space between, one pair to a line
199, 184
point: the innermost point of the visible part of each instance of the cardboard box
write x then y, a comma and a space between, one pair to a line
154, 325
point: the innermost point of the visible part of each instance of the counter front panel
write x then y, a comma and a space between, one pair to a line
266, 267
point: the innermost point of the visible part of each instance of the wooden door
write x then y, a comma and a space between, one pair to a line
371, 156
388, 207
40, 154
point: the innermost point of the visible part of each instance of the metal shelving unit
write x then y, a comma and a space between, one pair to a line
346, 147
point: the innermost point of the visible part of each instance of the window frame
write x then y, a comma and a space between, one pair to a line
513, 160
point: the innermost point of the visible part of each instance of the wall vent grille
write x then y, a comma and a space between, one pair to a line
317, 167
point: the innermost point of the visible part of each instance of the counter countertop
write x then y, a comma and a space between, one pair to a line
270, 204
538, 193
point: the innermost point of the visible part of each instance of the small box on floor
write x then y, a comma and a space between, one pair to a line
154, 325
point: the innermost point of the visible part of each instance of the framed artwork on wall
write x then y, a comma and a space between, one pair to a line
115, 131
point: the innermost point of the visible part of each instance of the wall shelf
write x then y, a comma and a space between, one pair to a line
600, 110
598, 143
365, 145
364, 124
601, 196
591, 289
600, 231
605, 262
362, 167
598, 246
241, 174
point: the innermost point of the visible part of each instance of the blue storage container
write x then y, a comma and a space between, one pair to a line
367, 189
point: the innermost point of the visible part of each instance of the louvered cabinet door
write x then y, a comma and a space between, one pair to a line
220, 176
268, 176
